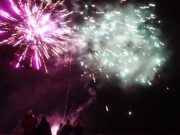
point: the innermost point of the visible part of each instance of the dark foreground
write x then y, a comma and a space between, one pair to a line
122, 134
136, 134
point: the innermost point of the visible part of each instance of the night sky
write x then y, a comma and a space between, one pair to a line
154, 108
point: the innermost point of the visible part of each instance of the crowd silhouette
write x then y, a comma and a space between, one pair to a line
31, 127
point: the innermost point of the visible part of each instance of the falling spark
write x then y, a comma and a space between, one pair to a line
130, 113
107, 109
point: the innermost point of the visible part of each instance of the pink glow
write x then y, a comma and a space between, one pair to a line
45, 19
4, 14
14, 7
29, 34
17, 65
54, 129
4, 41
27, 11
37, 61
1, 31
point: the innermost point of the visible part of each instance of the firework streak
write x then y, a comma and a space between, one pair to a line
39, 30
124, 42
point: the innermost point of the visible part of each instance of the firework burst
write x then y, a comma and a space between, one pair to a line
123, 42
40, 29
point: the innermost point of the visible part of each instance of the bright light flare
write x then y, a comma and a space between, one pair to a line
129, 113
54, 129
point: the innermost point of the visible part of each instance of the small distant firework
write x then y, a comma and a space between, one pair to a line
123, 42
39, 29
130, 113
107, 109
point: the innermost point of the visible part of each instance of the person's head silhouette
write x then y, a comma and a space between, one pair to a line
68, 121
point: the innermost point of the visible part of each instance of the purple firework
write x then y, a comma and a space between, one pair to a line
39, 29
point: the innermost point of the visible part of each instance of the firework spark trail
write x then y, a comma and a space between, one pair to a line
68, 89
40, 32
123, 42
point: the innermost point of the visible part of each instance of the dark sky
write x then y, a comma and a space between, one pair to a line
154, 108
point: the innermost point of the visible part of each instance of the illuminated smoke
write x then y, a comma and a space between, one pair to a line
123, 42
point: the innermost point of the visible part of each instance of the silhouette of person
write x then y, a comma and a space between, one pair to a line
78, 129
67, 128
29, 123
59, 132
43, 128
